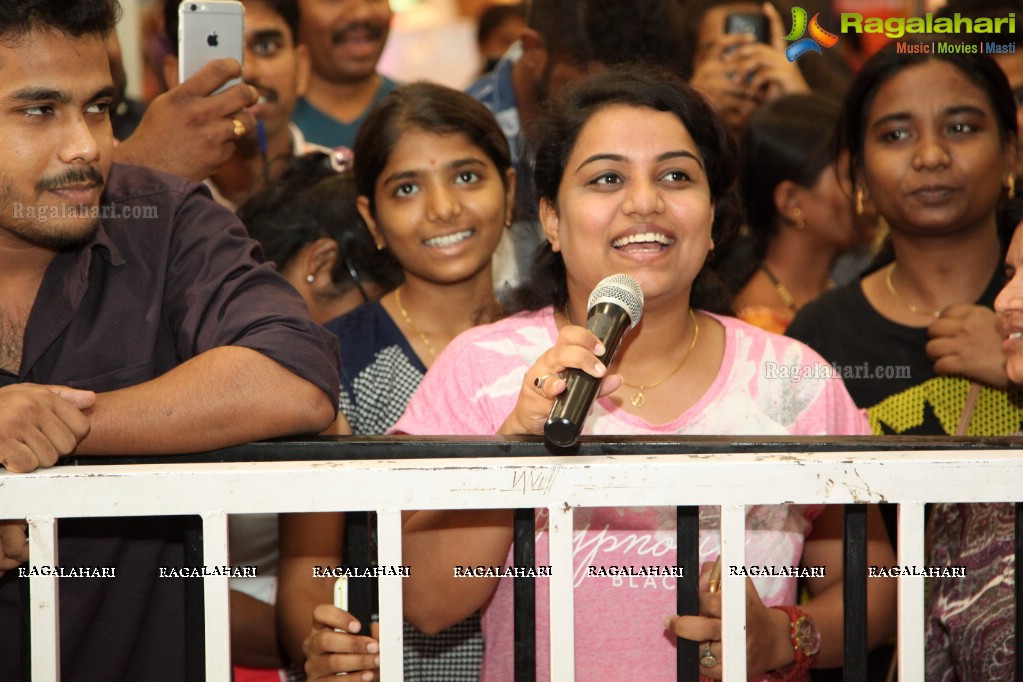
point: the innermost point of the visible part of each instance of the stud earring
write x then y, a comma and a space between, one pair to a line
310, 278
798, 213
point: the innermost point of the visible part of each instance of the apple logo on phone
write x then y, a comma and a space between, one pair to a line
212, 40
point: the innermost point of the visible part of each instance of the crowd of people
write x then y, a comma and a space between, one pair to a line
327, 250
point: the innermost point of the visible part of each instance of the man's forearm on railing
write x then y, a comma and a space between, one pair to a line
223, 397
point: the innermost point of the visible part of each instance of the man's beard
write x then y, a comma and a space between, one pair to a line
50, 233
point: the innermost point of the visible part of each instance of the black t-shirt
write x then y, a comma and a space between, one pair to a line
887, 371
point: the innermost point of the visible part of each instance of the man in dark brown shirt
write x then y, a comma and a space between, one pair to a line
135, 318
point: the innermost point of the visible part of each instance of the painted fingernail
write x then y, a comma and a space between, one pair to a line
372, 648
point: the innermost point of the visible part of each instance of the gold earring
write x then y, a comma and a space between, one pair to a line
1011, 183
859, 201
798, 213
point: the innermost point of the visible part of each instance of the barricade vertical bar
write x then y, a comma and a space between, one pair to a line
733, 592
361, 591
216, 600
44, 592
24, 625
687, 536
911, 592
562, 599
392, 661
525, 597
195, 617
1019, 593
854, 593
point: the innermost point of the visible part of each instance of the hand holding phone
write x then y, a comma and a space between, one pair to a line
341, 596
754, 23
207, 31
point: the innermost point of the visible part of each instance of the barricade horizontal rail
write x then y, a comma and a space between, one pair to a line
389, 475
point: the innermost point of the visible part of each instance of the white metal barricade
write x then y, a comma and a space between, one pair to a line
559, 484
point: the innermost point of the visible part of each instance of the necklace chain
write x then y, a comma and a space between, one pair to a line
783, 291
912, 308
412, 326
639, 398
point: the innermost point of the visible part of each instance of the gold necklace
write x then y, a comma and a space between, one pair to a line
912, 308
408, 321
783, 291
639, 398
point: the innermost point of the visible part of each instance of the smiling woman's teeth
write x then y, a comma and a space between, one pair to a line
644, 238
1015, 336
448, 239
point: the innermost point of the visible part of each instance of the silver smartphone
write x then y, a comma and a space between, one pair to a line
206, 31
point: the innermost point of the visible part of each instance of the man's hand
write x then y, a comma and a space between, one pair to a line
188, 130
13, 544
40, 424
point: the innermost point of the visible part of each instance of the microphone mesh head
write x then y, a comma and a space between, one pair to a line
621, 290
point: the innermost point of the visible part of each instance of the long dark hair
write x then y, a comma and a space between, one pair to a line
551, 138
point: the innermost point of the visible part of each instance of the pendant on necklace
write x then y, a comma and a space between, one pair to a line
638, 399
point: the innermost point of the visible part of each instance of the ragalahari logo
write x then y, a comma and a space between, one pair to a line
818, 36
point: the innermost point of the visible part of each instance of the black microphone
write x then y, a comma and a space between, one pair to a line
615, 306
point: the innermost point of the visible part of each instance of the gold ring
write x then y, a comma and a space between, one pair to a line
239, 127
707, 657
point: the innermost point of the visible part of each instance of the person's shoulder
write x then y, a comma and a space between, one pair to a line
507, 328
508, 340
365, 335
495, 89
483, 86
387, 85
168, 206
754, 339
838, 301
837, 310
127, 182
358, 321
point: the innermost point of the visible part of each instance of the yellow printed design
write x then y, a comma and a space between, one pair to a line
997, 413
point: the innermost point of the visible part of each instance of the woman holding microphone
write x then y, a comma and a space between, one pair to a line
635, 175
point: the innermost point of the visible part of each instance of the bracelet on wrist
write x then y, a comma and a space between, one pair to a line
806, 642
